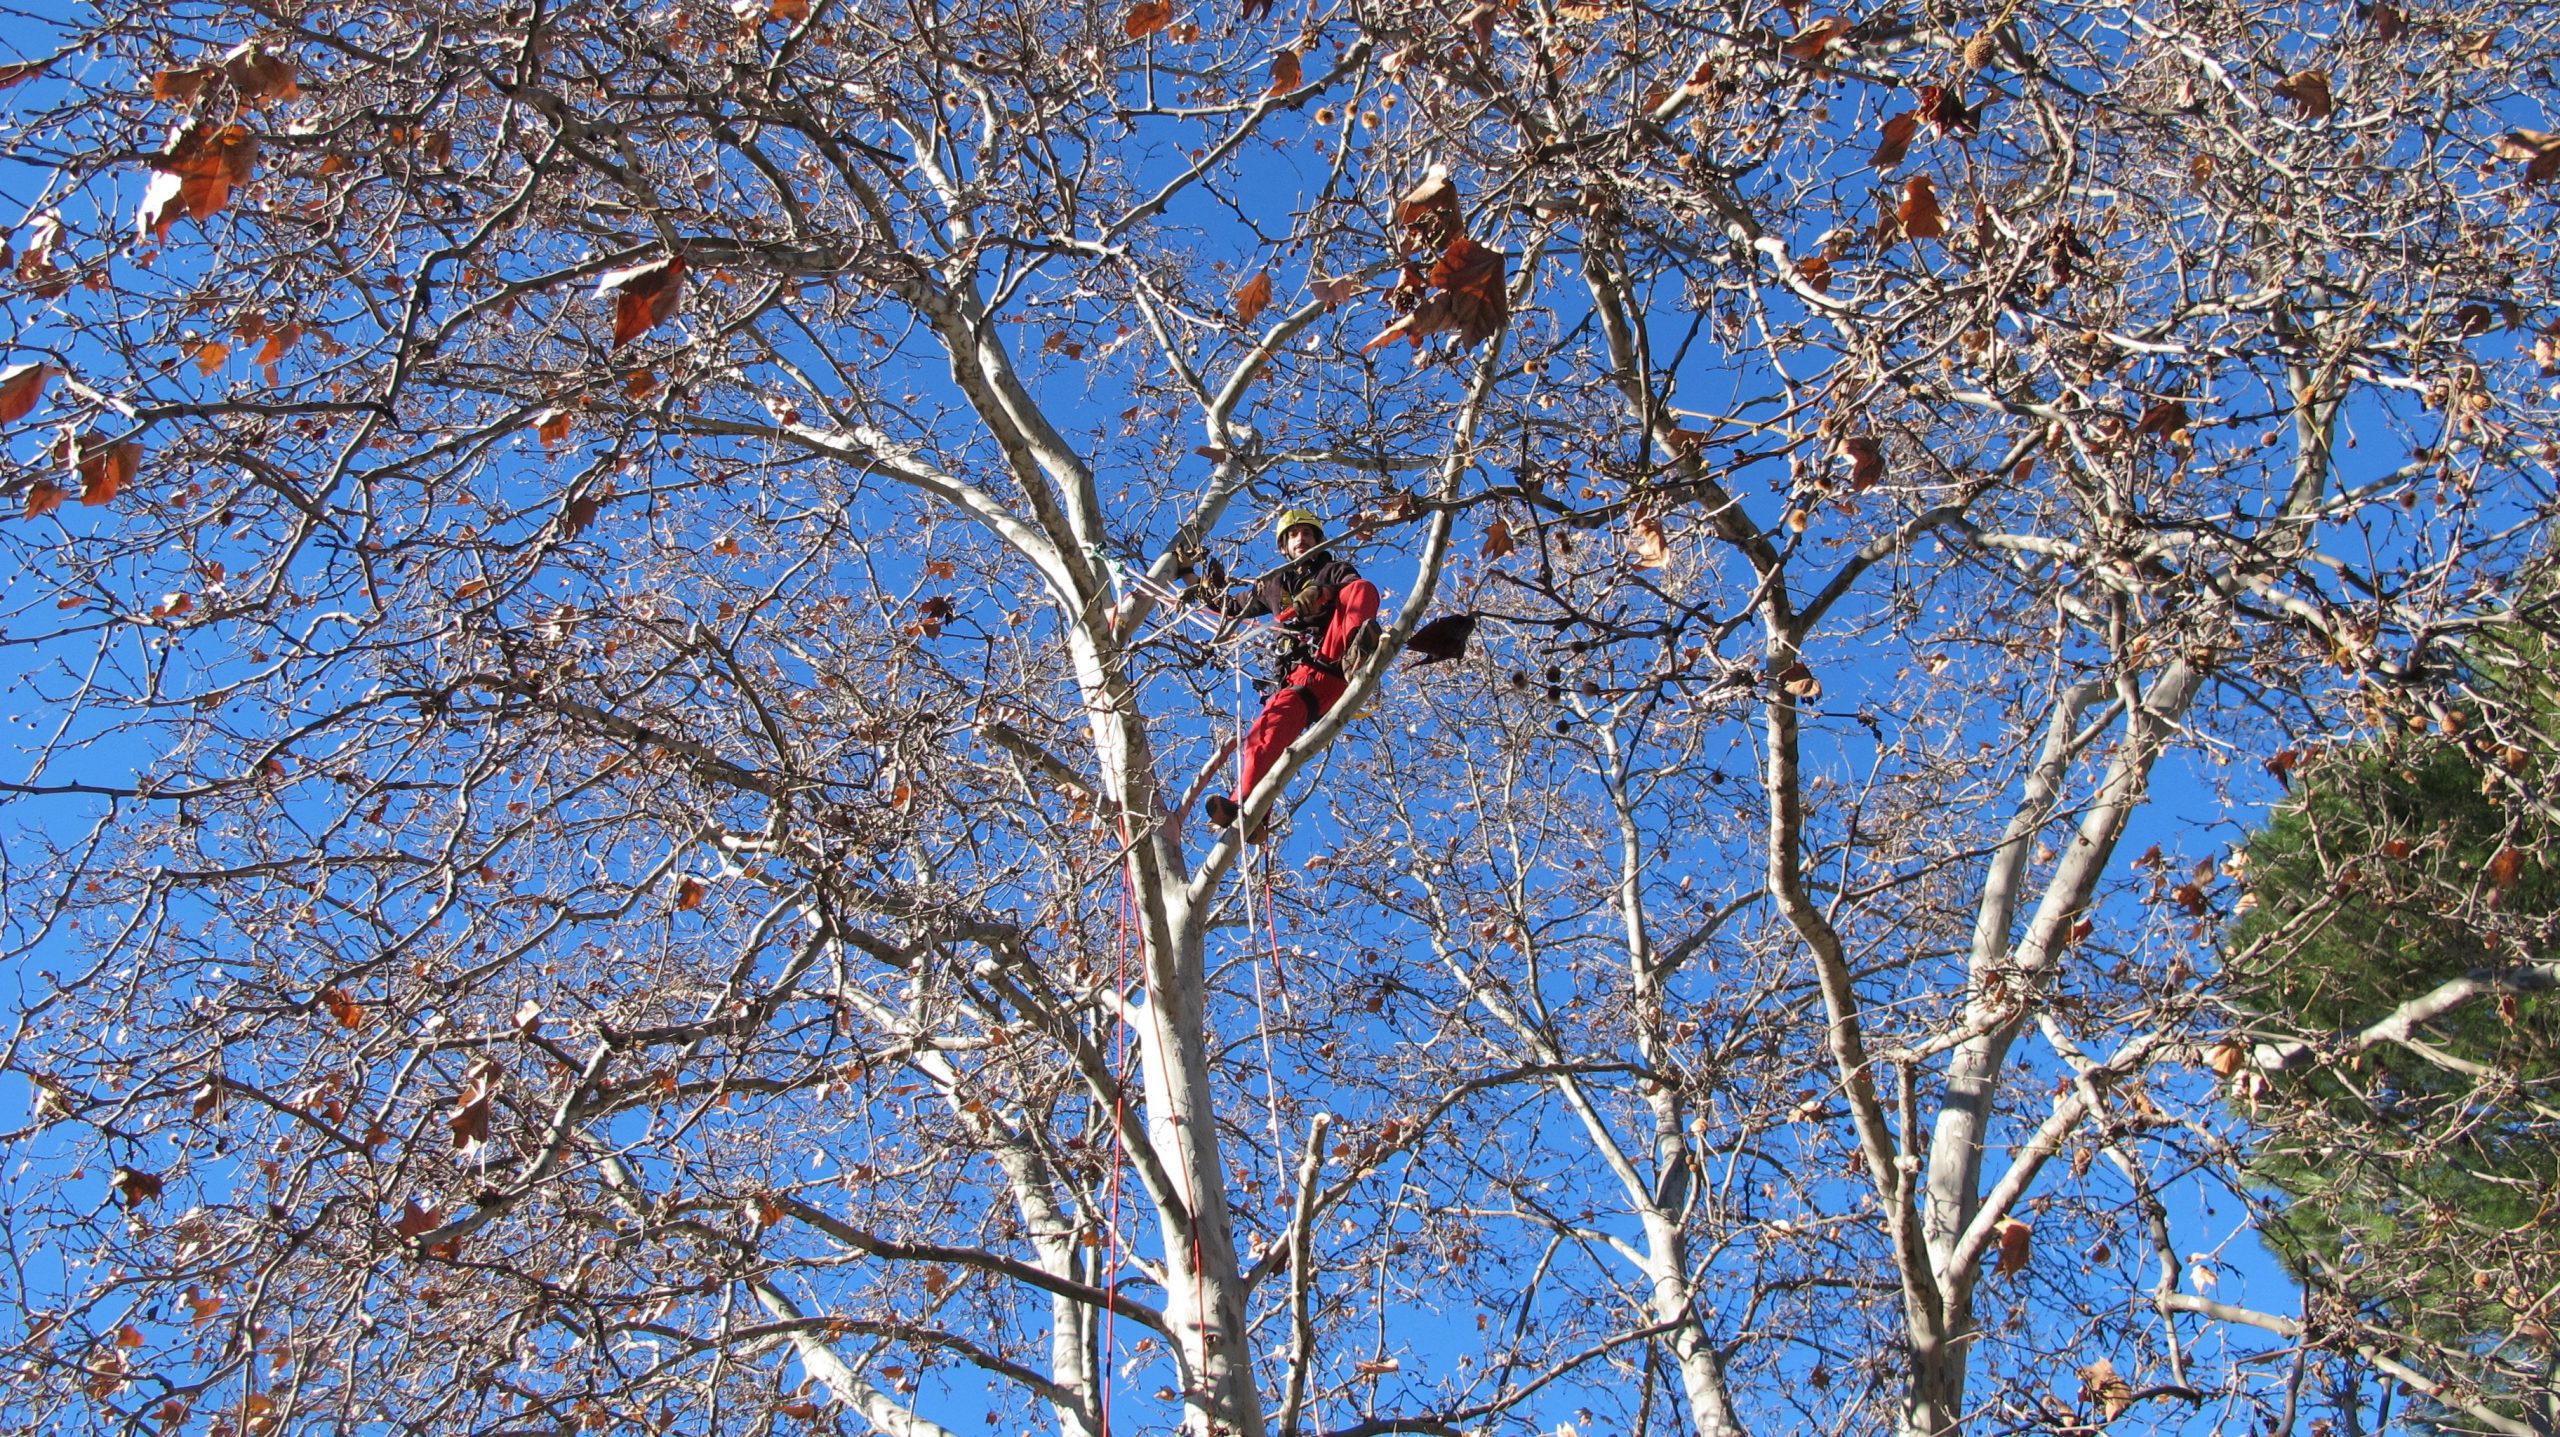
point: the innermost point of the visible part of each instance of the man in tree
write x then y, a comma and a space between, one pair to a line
1322, 608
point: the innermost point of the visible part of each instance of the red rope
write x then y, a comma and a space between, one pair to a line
1119, 1142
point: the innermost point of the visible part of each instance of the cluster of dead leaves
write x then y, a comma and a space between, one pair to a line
253, 75
1155, 17
205, 158
103, 467
1945, 113
195, 173
1463, 293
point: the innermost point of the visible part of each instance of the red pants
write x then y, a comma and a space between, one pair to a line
1311, 690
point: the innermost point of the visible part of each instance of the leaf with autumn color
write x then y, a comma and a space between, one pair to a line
1253, 297
1809, 44
1648, 547
1921, 218
2016, 1240
1147, 17
2537, 150
474, 1106
1894, 141
43, 497
20, 71
1429, 214
1866, 461
415, 1220
1286, 73
2102, 1388
105, 472
135, 1187
2309, 91
2506, 867
20, 386
343, 1009
1497, 539
194, 175
1334, 291
1947, 113
2162, 416
1470, 277
261, 77
644, 296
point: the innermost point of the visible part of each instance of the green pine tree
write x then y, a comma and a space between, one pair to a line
2421, 1179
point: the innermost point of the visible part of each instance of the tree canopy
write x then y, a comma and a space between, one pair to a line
604, 790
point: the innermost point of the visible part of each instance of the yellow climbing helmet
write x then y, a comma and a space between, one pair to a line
1291, 518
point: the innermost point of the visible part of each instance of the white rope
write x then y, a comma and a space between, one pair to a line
1253, 940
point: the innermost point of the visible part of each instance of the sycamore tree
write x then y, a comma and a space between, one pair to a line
604, 788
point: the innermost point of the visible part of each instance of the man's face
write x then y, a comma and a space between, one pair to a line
1297, 539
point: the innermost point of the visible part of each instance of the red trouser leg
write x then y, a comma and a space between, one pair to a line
1285, 715
1357, 604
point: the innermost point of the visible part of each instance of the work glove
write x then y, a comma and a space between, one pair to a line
1210, 586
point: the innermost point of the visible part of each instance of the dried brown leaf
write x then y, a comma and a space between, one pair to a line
2309, 91
2162, 416
1253, 297
1286, 73
20, 386
1808, 45
105, 472
415, 1221
2506, 868
1429, 213
1648, 547
1147, 17
1470, 277
1919, 213
644, 296
195, 173
135, 1187
1947, 113
2536, 150
2015, 1240
345, 1010
260, 76
1894, 141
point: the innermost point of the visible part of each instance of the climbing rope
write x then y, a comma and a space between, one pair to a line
1119, 1152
